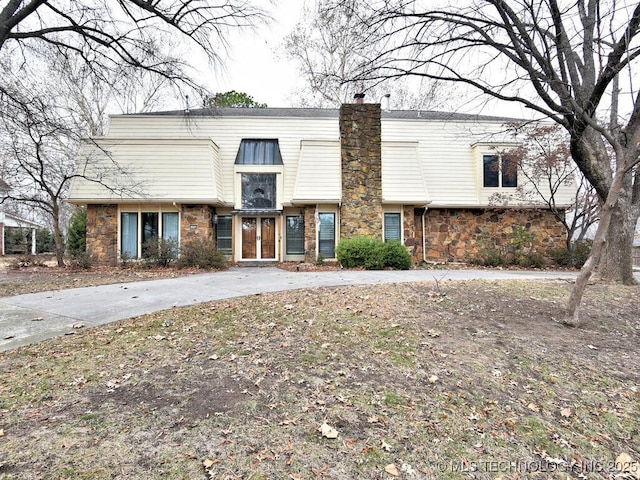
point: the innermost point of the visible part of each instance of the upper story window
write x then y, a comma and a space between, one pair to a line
258, 152
258, 190
499, 171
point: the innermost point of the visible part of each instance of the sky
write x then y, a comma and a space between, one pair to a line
254, 66
257, 66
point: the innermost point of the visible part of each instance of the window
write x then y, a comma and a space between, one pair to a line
327, 235
499, 171
258, 191
392, 226
223, 234
258, 152
138, 228
295, 235
170, 226
129, 235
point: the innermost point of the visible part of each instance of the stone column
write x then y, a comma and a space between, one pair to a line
102, 233
196, 223
361, 158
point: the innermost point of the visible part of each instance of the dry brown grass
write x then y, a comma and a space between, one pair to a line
481, 382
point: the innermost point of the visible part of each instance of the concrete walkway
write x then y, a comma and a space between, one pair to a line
26, 319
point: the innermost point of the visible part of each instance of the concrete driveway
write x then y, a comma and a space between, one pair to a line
26, 319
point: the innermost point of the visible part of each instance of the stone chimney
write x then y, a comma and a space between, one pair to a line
361, 155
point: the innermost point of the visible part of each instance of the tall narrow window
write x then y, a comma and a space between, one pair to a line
149, 226
170, 226
129, 235
327, 235
295, 235
223, 234
391, 226
509, 171
491, 170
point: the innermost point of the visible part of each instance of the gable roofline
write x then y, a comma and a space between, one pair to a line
427, 115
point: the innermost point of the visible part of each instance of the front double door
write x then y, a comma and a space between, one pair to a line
258, 238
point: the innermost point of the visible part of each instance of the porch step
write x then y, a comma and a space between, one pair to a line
256, 263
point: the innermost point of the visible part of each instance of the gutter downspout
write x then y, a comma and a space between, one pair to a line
424, 236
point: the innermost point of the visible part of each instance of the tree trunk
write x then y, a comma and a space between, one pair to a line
57, 236
616, 261
618, 204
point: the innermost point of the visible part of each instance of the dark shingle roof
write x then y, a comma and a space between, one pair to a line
328, 113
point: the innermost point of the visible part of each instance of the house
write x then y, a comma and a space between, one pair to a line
282, 184
9, 222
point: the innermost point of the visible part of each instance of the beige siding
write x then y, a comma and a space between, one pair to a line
155, 170
319, 176
402, 178
192, 158
227, 132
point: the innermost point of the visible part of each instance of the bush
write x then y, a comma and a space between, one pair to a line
202, 254
352, 252
372, 254
81, 261
572, 258
397, 256
375, 258
77, 233
26, 260
517, 251
160, 252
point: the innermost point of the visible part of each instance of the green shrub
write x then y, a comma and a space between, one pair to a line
202, 254
372, 254
352, 252
397, 256
160, 252
77, 233
376, 256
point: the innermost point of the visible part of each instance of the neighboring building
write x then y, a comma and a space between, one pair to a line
9, 221
287, 184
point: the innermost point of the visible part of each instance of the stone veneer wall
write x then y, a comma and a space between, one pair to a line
412, 231
196, 222
102, 233
361, 155
455, 234
310, 234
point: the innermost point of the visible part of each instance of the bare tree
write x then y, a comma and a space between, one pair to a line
136, 32
330, 49
543, 159
40, 147
561, 60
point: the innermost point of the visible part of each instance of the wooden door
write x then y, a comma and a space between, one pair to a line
249, 237
268, 238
